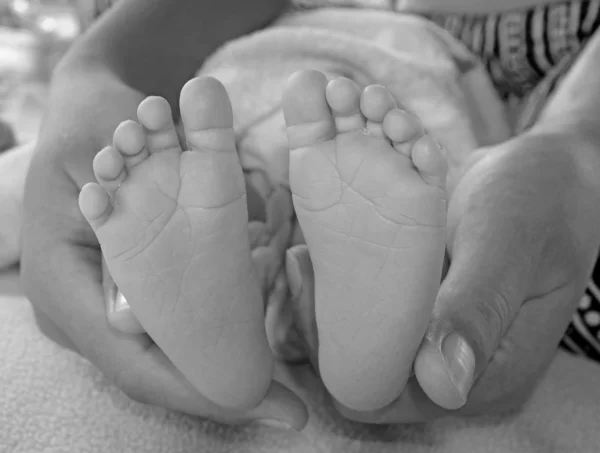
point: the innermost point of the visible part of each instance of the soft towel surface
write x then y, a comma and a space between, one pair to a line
51, 400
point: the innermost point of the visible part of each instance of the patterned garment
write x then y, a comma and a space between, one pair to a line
583, 335
527, 53
521, 48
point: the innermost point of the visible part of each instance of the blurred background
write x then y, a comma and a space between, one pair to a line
34, 34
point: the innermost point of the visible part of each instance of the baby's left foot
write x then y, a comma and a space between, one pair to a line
369, 191
172, 224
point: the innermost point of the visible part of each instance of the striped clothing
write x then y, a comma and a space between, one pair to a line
521, 48
518, 48
583, 335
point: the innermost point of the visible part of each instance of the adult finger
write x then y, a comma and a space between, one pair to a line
496, 252
478, 301
509, 378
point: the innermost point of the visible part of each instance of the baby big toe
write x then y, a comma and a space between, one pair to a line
207, 115
306, 111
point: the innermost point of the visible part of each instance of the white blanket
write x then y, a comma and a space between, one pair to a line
52, 401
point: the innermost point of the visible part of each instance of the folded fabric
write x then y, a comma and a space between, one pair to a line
430, 74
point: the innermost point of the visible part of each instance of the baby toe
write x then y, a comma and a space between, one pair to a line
94, 204
109, 169
207, 115
402, 128
307, 114
430, 160
129, 140
343, 97
375, 102
154, 114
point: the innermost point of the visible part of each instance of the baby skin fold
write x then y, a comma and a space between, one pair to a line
368, 188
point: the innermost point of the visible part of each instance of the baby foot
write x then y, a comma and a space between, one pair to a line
369, 191
173, 229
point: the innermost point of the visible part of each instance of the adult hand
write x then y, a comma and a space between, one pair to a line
61, 262
522, 239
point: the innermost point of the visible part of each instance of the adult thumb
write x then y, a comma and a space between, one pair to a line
477, 302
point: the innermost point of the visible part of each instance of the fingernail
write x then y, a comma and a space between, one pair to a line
121, 303
460, 363
121, 316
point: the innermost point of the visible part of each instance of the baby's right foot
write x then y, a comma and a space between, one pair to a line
369, 191
175, 240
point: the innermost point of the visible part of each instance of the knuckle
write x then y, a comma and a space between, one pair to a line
494, 309
484, 322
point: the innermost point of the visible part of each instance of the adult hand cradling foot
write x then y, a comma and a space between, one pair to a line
522, 241
518, 269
